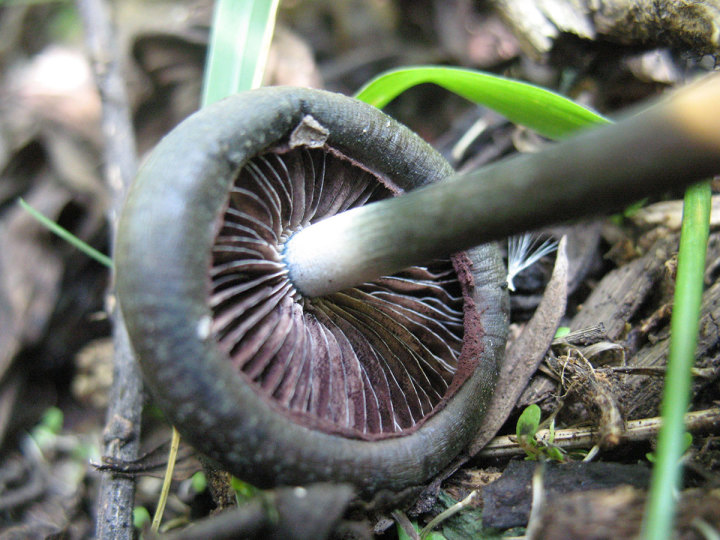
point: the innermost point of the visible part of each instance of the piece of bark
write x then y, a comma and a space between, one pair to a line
618, 513
507, 501
621, 293
536, 28
682, 24
690, 26
526, 353
669, 214
641, 394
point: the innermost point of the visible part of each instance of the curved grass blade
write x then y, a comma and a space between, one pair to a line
167, 480
548, 113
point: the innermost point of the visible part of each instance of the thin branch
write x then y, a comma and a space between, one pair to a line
122, 432
581, 438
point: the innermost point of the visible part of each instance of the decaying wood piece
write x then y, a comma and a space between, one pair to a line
623, 291
684, 24
679, 23
612, 304
642, 397
537, 28
618, 513
507, 501
669, 214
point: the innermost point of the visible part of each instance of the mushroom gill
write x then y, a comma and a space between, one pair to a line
369, 362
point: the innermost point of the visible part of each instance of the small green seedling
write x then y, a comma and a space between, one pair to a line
562, 331
243, 490
526, 429
49, 427
527, 426
402, 535
198, 482
141, 517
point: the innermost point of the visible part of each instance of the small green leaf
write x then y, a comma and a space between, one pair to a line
402, 535
243, 490
562, 332
548, 113
527, 424
52, 420
526, 428
555, 453
198, 482
633, 208
141, 517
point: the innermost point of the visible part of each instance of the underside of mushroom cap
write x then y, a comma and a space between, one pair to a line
380, 385
372, 361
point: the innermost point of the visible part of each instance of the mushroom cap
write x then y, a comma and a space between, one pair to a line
381, 385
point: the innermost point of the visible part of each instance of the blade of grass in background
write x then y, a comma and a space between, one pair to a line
555, 116
239, 45
667, 472
66, 235
548, 113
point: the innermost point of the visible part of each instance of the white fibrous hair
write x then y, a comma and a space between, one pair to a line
524, 250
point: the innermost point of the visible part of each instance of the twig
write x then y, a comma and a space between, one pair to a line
635, 430
122, 432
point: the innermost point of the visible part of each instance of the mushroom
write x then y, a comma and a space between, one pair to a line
380, 385
240, 289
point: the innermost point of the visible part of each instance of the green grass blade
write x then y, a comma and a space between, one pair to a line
548, 113
684, 324
66, 235
239, 44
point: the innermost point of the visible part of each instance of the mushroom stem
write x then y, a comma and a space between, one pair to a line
670, 145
